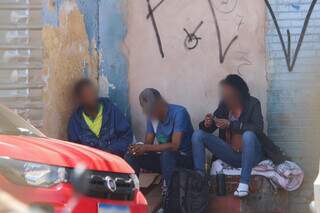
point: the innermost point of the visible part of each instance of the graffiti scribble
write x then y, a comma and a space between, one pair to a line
243, 58
240, 21
222, 54
192, 40
154, 24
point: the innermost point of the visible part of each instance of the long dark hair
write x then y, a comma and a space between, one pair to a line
236, 82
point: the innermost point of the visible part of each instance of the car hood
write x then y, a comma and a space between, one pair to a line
60, 153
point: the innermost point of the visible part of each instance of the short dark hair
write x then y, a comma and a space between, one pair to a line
236, 82
80, 85
149, 98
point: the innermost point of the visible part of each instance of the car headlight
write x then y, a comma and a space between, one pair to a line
43, 175
135, 180
34, 174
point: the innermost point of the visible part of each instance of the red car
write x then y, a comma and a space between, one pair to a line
39, 172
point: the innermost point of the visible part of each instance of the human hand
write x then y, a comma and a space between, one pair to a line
222, 123
208, 120
137, 149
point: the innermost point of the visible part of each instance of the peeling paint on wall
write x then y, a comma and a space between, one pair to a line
114, 65
51, 5
66, 58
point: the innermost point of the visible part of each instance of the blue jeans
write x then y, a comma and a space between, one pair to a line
164, 163
250, 156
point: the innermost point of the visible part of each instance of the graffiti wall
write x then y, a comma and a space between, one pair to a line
130, 45
293, 50
184, 48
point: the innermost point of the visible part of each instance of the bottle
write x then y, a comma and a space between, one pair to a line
221, 184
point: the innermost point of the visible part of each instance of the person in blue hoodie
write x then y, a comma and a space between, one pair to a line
97, 122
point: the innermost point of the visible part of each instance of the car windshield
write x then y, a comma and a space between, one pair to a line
12, 124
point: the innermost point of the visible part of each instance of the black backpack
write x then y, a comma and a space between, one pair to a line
188, 193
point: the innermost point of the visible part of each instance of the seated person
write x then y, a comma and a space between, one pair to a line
240, 122
171, 126
97, 122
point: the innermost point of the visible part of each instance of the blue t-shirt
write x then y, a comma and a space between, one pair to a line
177, 120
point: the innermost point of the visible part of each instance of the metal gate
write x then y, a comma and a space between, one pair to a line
21, 83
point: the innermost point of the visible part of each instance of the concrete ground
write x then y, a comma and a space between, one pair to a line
153, 197
150, 184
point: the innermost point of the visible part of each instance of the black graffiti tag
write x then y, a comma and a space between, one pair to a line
154, 24
192, 40
222, 54
287, 50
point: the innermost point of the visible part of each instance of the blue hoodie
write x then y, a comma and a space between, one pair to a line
115, 134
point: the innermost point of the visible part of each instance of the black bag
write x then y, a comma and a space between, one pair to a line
188, 193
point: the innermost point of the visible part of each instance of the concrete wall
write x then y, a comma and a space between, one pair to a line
67, 57
106, 40
113, 66
190, 77
81, 39
293, 97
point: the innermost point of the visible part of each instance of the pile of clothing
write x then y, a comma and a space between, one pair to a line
288, 175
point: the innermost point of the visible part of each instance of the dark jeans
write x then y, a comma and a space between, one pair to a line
250, 156
164, 163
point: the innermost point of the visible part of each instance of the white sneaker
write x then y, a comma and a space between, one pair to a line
241, 193
242, 190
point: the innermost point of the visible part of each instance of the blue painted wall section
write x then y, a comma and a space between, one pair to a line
51, 17
90, 11
112, 32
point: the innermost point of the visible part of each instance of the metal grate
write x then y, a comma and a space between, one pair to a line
21, 84
97, 186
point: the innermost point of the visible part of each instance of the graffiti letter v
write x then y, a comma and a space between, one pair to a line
222, 54
287, 50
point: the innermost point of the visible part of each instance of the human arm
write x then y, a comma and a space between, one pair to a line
218, 113
124, 136
72, 131
181, 121
174, 145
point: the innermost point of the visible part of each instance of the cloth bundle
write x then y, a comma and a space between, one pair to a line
287, 175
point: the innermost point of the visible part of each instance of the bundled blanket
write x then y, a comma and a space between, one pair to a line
287, 175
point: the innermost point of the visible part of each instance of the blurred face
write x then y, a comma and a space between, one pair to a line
88, 97
156, 114
159, 111
230, 96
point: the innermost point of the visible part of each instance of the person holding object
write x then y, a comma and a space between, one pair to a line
97, 122
240, 122
171, 126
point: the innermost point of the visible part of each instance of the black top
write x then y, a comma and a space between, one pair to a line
251, 119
